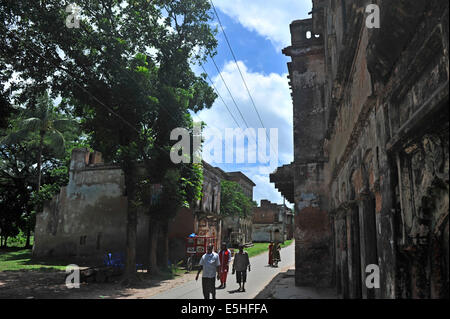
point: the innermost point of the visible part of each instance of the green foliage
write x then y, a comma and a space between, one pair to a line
178, 191
43, 122
6, 110
233, 201
191, 183
126, 72
19, 240
57, 178
21, 150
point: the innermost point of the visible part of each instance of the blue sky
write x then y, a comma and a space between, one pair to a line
258, 53
258, 30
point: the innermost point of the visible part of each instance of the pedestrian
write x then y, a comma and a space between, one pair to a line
276, 258
271, 253
224, 258
240, 264
210, 264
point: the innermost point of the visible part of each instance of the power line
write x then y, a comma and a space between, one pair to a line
236, 62
239, 69
229, 92
220, 96
77, 84
90, 94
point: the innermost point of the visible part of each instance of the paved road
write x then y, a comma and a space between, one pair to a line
257, 279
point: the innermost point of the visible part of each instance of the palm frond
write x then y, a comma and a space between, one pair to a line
63, 124
57, 141
15, 137
32, 123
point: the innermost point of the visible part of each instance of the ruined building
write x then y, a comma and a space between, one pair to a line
237, 230
370, 177
272, 222
88, 217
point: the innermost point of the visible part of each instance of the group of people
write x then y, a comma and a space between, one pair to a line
212, 263
274, 254
217, 266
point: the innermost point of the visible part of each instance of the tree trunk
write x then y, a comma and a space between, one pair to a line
129, 275
27, 243
39, 163
153, 232
165, 244
38, 186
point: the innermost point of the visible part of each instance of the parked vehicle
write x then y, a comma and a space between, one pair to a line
196, 248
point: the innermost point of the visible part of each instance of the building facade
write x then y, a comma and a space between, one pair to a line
272, 222
370, 177
237, 230
88, 217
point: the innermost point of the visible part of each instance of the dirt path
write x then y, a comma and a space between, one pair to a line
51, 285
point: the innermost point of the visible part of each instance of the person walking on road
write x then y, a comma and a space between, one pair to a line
210, 264
276, 258
224, 258
240, 264
270, 253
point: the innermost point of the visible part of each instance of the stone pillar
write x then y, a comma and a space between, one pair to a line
312, 251
342, 253
337, 255
79, 158
368, 240
354, 258
313, 236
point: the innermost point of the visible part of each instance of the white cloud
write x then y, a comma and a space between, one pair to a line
271, 95
268, 18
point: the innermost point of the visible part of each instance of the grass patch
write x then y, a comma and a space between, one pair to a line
20, 260
259, 248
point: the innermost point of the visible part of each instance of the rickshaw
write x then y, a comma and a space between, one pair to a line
196, 248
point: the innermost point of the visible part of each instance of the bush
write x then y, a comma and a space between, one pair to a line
19, 240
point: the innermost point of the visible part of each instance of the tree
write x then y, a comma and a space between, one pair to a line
233, 201
127, 71
181, 188
45, 122
14, 200
6, 110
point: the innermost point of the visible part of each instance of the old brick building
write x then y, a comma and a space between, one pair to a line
89, 216
272, 222
370, 177
237, 230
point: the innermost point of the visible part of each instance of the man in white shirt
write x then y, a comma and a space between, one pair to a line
210, 264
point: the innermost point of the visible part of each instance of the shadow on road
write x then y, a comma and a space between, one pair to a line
50, 284
235, 291
282, 286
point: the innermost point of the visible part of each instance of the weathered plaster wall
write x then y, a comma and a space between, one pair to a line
271, 222
265, 233
88, 217
237, 230
383, 177
307, 79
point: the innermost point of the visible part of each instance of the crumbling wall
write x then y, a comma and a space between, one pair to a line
312, 230
371, 147
88, 216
